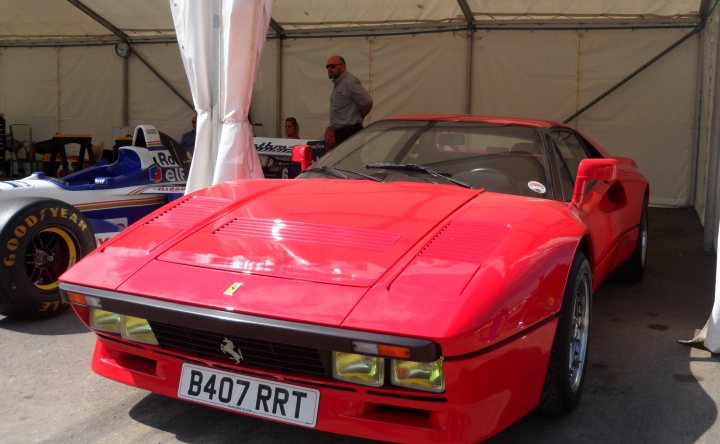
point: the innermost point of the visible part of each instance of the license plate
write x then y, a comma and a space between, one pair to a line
254, 396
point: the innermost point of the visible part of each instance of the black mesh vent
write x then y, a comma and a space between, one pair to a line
282, 357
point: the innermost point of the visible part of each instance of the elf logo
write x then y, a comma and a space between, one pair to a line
156, 174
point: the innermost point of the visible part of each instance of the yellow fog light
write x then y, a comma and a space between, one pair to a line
359, 369
138, 329
105, 320
427, 376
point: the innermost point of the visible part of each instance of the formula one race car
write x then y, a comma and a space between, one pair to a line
47, 225
428, 280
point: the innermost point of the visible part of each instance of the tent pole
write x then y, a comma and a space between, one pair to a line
469, 72
634, 73
164, 80
470, 20
125, 91
279, 120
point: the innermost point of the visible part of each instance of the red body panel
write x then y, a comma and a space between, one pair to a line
480, 274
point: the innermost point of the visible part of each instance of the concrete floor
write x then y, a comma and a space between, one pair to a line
642, 387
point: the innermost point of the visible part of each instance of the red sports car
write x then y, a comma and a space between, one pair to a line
429, 280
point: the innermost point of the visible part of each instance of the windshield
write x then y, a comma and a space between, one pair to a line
499, 158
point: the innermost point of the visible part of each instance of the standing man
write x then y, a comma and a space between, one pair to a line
188, 139
349, 102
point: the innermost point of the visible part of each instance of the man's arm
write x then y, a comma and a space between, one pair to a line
366, 109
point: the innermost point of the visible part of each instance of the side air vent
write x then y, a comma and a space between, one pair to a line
188, 212
275, 229
467, 243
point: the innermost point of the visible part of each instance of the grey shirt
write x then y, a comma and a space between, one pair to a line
346, 101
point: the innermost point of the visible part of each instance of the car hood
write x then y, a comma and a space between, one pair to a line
333, 232
360, 254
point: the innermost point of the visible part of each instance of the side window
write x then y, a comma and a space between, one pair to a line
567, 182
571, 150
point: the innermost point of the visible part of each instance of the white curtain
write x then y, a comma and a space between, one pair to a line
712, 341
709, 336
220, 43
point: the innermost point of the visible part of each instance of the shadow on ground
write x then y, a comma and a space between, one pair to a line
194, 423
65, 323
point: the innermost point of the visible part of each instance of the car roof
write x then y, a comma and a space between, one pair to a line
484, 119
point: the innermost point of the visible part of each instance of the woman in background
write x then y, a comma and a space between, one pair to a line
292, 129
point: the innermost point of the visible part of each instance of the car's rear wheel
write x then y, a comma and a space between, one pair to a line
39, 240
568, 357
634, 268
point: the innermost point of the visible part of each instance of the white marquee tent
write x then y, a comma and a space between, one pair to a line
637, 76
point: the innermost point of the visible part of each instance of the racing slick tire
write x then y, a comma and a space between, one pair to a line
568, 357
634, 268
40, 238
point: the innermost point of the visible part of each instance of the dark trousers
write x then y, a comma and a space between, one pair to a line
345, 132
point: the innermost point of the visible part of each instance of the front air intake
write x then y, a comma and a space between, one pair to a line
188, 212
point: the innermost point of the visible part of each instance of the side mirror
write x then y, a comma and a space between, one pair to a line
589, 170
302, 154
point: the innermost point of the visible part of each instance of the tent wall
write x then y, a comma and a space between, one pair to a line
545, 74
550, 74
150, 100
79, 89
707, 201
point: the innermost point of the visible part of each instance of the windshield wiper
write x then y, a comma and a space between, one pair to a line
419, 168
338, 172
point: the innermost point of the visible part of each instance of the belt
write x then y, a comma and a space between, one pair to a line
348, 126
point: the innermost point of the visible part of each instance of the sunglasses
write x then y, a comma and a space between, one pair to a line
332, 65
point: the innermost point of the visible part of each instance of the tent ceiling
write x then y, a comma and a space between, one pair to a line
42, 22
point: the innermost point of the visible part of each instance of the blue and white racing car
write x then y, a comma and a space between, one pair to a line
47, 224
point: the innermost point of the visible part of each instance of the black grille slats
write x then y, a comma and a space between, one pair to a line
282, 357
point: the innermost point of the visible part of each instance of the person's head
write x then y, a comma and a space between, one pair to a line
194, 121
335, 66
292, 129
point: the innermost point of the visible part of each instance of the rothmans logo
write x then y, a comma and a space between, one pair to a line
229, 348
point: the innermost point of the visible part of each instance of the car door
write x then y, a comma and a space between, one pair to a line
601, 208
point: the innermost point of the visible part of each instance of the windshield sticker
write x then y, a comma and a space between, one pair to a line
537, 187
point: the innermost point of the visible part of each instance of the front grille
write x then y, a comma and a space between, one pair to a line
281, 357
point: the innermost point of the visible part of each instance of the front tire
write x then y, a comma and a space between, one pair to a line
39, 240
568, 357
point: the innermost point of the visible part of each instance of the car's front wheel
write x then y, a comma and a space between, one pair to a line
39, 240
634, 268
568, 357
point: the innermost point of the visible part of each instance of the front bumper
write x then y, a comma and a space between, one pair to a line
485, 393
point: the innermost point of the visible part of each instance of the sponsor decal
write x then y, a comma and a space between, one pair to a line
121, 222
170, 169
30, 221
229, 348
165, 159
161, 189
101, 238
537, 187
269, 148
15, 184
174, 175
156, 174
